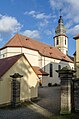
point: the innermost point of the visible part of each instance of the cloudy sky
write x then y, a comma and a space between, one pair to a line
38, 19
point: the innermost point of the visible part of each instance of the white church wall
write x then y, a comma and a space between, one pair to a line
31, 55
46, 81
55, 63
3, 53
39, 60
7, 52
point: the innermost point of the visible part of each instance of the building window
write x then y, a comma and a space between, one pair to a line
66, 52
51, 70
57, 41
65, 41
72, 68
3, 55
59, 68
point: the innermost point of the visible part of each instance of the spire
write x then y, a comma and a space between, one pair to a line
60, 20
60, 28
60, 39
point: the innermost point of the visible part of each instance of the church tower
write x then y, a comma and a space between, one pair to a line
60, 39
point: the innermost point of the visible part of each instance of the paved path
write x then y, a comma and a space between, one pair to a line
28, 111
44, 108
50, 99
40, 110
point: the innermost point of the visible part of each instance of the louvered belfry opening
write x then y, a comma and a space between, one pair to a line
15, 93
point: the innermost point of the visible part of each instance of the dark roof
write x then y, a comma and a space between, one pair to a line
6, 63
39, 71
44, 49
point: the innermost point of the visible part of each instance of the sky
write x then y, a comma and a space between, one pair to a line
38, 19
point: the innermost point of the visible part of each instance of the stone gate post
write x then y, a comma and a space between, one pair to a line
66, 76
15, 89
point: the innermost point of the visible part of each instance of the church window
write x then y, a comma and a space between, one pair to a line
66, 52
51, 70
59, 68
57, 41
72, 68
65, 41
3, 55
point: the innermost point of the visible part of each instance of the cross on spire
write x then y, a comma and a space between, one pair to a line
60, 11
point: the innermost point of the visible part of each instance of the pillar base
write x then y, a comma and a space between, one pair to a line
63, 111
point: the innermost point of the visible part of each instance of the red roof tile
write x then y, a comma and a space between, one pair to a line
39, 71
44, 49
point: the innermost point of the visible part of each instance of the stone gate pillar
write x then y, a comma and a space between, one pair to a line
15, 93
66, 76
76, 94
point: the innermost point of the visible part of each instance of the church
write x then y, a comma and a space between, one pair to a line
44, 59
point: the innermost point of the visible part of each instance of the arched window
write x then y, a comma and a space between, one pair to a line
65, 41
57, 41
59, 68
66, 52
51, 70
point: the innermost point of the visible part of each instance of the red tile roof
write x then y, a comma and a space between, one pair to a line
44, 49
39, 71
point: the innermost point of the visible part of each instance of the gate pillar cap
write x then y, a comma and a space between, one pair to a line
66, 70
16, 75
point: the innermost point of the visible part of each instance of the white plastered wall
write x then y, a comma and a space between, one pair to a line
31, 55
46, 67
